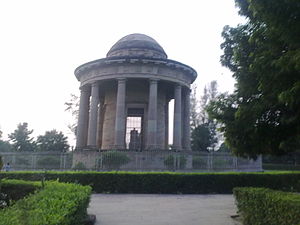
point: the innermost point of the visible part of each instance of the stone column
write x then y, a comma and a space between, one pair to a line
167, 124
152, 116
120, 123
92, 132
186, 122
82, 124
177, 119
100, 123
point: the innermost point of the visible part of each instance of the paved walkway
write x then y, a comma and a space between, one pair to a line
147, 209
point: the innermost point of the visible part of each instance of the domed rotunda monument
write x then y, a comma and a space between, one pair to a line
124, 101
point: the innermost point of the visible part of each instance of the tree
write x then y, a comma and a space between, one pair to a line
210, 92
223, 148
52, 141
195, 120
262, 116
203, 138
73, 106
5, 146
204, 135
21, 138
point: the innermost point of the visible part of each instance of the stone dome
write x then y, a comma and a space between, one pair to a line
137, 45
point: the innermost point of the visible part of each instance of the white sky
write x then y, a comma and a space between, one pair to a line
42, 42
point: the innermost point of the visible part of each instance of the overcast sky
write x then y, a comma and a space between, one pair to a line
42, 42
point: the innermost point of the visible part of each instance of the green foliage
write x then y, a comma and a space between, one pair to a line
199, 162
204, 130
5, 146
219, 163
21, 160
169, 183
72, 106
48, 161
262, 116
79, 166
177, 162
261, 206
56, 204
271, 166
113, 160
223, 148
17, 189
203, 138
52, 141
21, 138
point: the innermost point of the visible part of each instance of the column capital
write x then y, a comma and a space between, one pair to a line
178, 86
121, 80
153, 80
95, 84
84, 88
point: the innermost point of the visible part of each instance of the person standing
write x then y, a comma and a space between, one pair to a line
6, 167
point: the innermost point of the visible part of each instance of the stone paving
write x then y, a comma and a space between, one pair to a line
156, 209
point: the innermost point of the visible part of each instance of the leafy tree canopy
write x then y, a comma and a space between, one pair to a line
203, 137
262, 116
52, 141
21, 138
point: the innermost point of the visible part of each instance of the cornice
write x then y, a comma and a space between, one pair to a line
132, 60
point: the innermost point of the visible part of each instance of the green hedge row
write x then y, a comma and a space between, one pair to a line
262, 206
271, 166
154, 182
17, 189
55, 204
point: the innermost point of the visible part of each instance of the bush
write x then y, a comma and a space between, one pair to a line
168, 182
17, 189
199, 162
172, 163
48, 161
114, 160
262, 206
79, 166
269, 166
55, 204
20, 160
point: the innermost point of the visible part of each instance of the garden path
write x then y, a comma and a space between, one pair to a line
162, 209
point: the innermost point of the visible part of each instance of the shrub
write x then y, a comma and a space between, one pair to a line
170, 182
17, 189
199, 162
171, 162
114, 160
79, 166
48, 161
22, 161
262, 206
55, 204
220, 163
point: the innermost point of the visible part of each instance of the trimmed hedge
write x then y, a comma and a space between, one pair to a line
154, 182
17, 189
55, 204
262, 206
